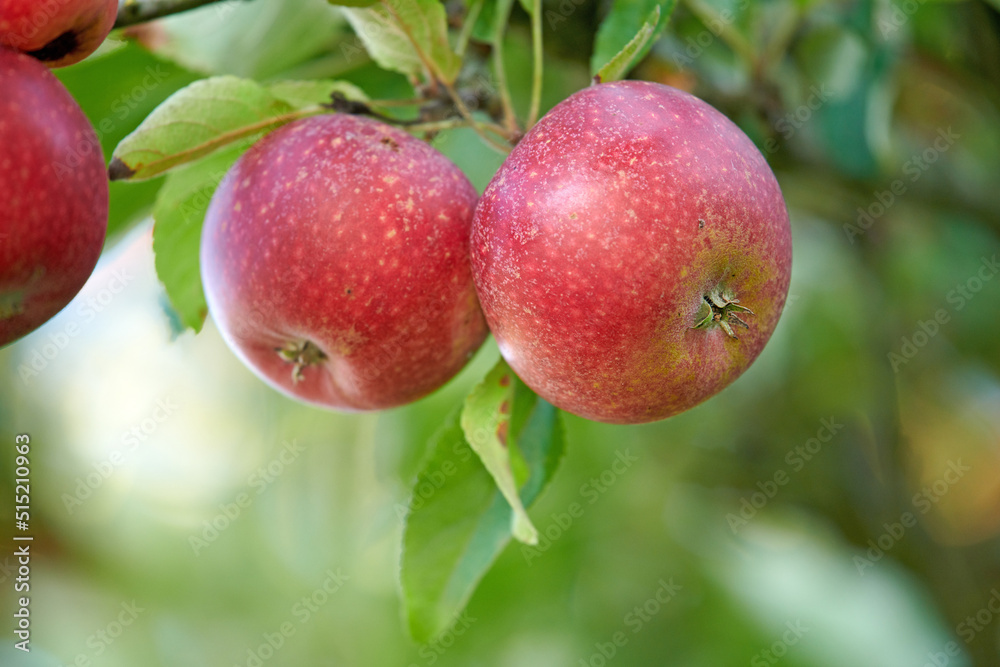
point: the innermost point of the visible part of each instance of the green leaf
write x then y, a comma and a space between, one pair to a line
196, 121
486, 422
484, 29
261, 41
302, 94
539, 437
454, 530
836, 56
491, 24
407, 36
627, 34
129, 203
618, 66
353, 3
178, 216
458, 522
116, 91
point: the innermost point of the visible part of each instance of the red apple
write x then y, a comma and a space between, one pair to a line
53, 196
57, 32
335, 259
632, 255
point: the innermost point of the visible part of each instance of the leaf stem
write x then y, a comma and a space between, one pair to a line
341, 104
119, 170
412, 102
433, 71
133, 12
536, 75
478, 126
468, 23
437, 125
501, 19
497, 130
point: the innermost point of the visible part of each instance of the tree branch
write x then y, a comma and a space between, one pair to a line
341, 104
133, 12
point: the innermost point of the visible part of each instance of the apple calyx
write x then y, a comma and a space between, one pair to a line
11, 304
58, 48
719, 309
302, 354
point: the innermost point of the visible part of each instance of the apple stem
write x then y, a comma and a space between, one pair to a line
301, 354
480, 128
719, 309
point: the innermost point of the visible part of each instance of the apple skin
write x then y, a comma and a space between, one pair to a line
57, 32
351, 236
597, 242
54, 206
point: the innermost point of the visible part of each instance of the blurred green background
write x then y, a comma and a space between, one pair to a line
838, 505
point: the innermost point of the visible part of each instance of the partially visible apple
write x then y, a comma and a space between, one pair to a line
335, 260
57, 32
53, 196
632, 254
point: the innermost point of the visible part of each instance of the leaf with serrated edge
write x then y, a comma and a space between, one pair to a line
626, 35
458, 522
196, 121
178, 216
407, 36
486, 423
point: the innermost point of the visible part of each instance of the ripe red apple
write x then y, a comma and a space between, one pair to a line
632, 255
335, 259
57, 32
53, 196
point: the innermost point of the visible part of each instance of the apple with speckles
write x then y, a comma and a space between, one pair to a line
53, 196
57, 32
335, 260
632, 255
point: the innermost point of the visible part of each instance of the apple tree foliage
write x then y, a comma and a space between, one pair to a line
503, 443
835, 99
